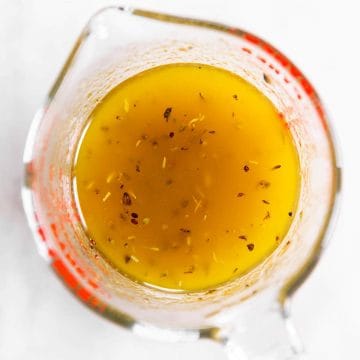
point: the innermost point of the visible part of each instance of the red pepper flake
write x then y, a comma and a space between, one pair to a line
246, 168
134, 221
243, 237
126, 244
134, 215
265, 202
250, 247
137, 167
240, 194
171, 134
235, 97
127, 259
97, 191
276, 167
167, 113
290, 213
201, 141
126, 199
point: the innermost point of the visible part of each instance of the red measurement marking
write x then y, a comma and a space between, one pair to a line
294, 71
80, 271
83, 294
262, 59
65, 274
281, 59
53, 228
269, 49
253, 39
93, 284
41, 233
307, 87
51, 253
71, 260
246, 50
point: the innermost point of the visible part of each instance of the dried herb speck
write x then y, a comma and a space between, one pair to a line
265, 202
171, 134
127, 259
235, 97
266, 78
201, 96
187, 231
243, 237
246, 168
137, 167
212, 132
267, 216
126, 199
190, 270
167, 113
134, 215
276, 167
264, 184
240, 194
290, 213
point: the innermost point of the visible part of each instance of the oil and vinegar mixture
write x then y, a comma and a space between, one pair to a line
186, 177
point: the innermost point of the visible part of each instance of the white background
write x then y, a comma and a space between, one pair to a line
38, 318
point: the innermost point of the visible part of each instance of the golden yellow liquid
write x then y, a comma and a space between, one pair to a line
186, 177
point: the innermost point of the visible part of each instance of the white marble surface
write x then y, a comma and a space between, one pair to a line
38, 317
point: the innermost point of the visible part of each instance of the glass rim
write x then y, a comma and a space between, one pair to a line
290, 287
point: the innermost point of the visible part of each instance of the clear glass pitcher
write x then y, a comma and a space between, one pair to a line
249, 315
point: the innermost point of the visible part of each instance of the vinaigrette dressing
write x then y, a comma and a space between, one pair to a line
186, 177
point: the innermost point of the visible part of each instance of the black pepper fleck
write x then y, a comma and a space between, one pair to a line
250, 247
167, 113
